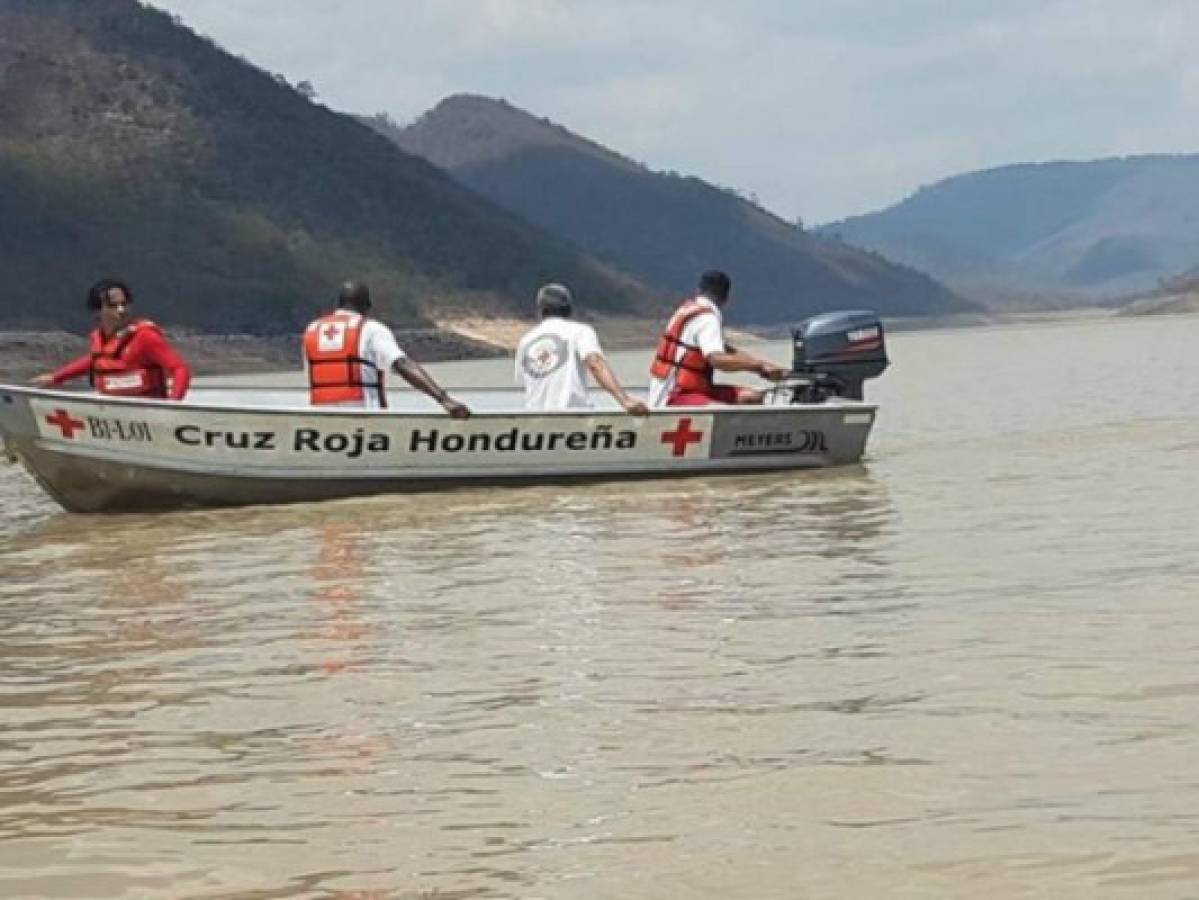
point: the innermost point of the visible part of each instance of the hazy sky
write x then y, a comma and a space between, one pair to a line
820, 108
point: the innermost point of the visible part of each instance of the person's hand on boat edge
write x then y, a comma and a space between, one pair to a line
633, 406
43, 380
415, 375
454, 408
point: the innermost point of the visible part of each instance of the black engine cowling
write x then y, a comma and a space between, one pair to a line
833, 353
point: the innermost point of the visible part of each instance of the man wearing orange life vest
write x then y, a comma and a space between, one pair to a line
347, 355
693, 347
127, 357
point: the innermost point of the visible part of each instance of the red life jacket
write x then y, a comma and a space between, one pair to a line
693, 372
112, 373
334, 366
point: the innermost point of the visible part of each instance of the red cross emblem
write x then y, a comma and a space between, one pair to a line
63, 420
681, 437
332, 332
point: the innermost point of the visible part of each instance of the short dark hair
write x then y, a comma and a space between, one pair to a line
554, 300
98, 291
715, 284
354, 294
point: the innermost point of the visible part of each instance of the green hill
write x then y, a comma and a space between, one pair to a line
664, 227
1063, 232
231, 202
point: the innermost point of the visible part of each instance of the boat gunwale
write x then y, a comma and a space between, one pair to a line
434, 413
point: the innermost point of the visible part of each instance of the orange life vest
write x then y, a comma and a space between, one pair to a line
334, 367
693, 373
113, 374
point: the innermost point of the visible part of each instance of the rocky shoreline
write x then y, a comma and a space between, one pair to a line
1185, 303
24, 354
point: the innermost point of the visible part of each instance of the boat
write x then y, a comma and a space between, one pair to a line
228, 446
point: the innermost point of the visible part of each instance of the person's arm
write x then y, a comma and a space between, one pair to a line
412, 373
709, 336
606, 378
76, 368
154, 349
730, 360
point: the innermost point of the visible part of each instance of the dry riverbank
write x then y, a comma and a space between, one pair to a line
1183, 303
24, 354
615, 332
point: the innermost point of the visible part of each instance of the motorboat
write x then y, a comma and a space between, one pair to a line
228, 446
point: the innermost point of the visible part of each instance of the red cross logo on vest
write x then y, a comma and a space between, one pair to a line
681, 437
64, 421
331, 336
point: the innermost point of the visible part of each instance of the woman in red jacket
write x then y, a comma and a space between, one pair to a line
126, 357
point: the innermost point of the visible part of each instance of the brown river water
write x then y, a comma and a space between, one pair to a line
966, 668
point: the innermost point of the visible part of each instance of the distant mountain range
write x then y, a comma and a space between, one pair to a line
663, 227
1061, 232
230, 201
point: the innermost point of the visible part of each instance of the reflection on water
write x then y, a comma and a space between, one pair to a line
963, 668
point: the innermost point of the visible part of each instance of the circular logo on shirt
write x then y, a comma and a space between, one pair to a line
544, 356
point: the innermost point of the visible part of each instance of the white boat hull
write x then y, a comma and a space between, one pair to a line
95, 453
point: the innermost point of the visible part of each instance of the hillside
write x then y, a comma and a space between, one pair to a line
663, 227
1174, 296
130, 145
1063, 232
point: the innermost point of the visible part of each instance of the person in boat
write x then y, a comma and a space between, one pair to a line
347, 354
552, 359
126, 357
693, 348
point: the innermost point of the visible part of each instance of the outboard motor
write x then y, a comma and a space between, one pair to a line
833, 353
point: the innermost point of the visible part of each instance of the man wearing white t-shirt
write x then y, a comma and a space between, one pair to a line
347, 354
552, 360
692, 348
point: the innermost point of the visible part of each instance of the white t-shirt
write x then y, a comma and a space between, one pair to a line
550, 364
377, 345
704, 331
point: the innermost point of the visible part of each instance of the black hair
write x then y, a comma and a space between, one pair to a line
715, 284
354, 294
554, 300
98, 291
